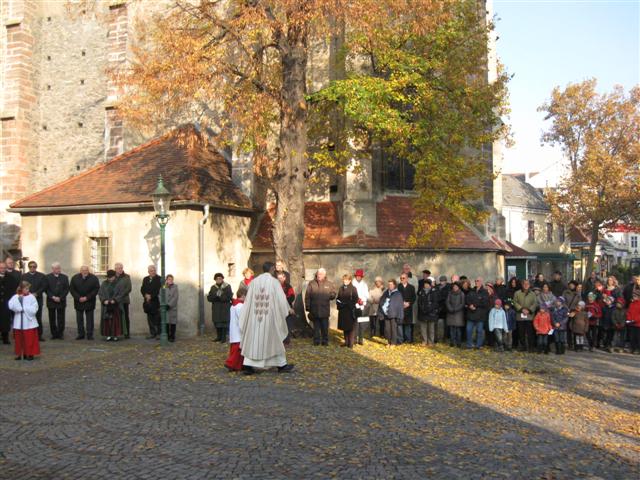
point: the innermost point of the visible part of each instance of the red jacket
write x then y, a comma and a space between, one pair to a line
633, 313
542, 323
596, 312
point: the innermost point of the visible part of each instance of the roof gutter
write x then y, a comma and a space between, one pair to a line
125, 206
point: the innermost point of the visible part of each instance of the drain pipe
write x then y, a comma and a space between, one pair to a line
201, 224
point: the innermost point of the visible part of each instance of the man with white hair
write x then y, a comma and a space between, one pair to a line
57, 290
150, 291
84, 288
317, 301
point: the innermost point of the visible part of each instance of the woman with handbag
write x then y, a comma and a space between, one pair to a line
346, 302
25, 324
111, 325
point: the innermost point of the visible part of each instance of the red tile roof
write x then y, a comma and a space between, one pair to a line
517, 251
394, 224
192, 170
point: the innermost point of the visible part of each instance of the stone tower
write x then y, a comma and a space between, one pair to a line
56, 103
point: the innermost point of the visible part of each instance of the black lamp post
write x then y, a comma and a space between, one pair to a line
161, 202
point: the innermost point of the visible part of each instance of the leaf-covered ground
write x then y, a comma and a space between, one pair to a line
133, 409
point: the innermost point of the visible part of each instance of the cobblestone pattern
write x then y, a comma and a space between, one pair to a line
100, 414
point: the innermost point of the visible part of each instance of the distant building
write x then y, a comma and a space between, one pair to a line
541, 246
616, 248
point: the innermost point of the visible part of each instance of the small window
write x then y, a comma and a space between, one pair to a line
531, 230
634, 241
99, 254
549, 232
561, 234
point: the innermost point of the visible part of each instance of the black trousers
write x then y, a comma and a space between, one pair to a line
39, 318
81, 315
153, 319
172, 331
56, 321
321, 331
592, 336
526, 335
221, 332
125, 309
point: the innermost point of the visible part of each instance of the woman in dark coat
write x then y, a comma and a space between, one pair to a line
512, 288
455, 314
111, 324
220, 297
346, 302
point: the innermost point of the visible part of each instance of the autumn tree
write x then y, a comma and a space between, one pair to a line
600, 137
414, 78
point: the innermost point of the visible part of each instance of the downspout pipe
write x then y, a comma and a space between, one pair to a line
201, 224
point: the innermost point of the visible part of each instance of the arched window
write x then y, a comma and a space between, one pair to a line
397, 173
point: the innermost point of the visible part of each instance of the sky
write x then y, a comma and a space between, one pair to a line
548, 43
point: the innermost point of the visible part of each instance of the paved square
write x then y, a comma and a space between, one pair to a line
132, 410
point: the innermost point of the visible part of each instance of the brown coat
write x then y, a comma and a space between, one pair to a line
317, 298
580, 323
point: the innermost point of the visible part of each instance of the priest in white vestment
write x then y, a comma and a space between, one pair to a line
263, 325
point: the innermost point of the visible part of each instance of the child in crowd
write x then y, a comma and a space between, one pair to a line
498, 324
235, 360
579, 326
510, 313
619, 320
560, 319
594, 313
542, 326
606, 324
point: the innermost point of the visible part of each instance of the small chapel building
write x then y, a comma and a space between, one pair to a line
105, 215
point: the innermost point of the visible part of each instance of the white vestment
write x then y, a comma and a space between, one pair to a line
263, 324
234, 327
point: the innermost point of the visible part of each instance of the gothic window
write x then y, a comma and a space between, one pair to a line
550, 232
397, 173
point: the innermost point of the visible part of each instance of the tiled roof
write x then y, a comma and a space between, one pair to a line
576, 235
192, 170
394, 224
516, 193
517, 251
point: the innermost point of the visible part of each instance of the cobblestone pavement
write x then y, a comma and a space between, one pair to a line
134, 411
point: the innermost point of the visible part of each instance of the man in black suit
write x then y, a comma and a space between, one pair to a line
38, 283
150, 290
84, 289
57, 290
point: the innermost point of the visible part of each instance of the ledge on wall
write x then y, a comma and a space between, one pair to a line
13, 22
8, 115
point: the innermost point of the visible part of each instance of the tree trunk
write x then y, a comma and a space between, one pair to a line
290, 187
595, 231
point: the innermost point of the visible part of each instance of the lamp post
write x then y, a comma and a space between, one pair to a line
161, 202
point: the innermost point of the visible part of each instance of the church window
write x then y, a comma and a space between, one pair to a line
397, 173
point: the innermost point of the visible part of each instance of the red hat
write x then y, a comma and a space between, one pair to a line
498, 302
359, 273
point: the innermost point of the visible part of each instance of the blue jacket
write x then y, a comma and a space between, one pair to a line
560, 315
393, 303
511, 319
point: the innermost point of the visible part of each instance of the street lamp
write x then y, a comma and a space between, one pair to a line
161, 202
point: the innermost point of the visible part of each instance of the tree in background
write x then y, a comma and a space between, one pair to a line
600, 136
411, 74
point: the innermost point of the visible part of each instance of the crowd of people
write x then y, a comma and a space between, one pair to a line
532, 315
528, 315
23, 297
